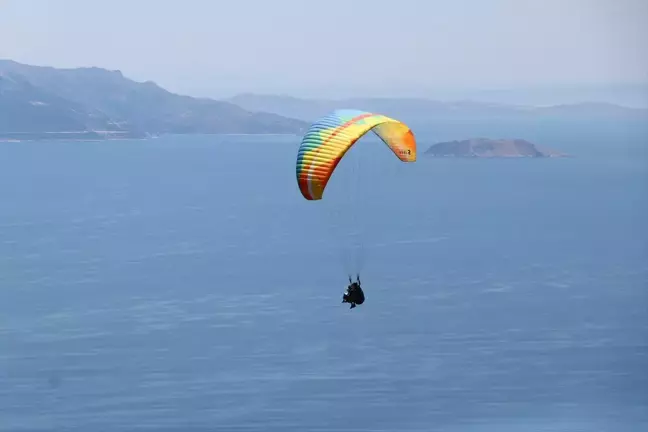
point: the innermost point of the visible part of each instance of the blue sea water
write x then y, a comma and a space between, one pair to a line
183, 284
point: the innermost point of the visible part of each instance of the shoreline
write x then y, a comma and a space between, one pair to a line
95, 139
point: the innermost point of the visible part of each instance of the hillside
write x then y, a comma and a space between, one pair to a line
489, 148
41, 100
26, 110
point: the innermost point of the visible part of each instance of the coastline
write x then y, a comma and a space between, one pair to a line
42, 138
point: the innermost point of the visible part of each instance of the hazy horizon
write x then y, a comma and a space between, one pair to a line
217, 49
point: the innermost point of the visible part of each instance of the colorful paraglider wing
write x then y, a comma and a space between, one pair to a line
330, 137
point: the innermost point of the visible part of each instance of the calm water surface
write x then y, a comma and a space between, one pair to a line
184, 284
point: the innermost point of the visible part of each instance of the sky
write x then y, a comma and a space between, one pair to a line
344, 47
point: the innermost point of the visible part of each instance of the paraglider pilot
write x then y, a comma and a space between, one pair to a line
353, 294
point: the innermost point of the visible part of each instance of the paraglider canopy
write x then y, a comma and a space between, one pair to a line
330, 137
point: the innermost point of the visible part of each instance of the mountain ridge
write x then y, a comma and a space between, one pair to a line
43, 100
424, 108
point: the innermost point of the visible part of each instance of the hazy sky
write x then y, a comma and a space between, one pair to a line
213, 47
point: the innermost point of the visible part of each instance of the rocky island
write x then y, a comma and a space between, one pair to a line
489, 148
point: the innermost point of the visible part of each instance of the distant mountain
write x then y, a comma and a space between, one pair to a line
43, 100
489, 148
625, 94
421, 110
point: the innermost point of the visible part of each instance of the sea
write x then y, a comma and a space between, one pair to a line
184, 284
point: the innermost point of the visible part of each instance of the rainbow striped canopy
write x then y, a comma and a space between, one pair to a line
331, 136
